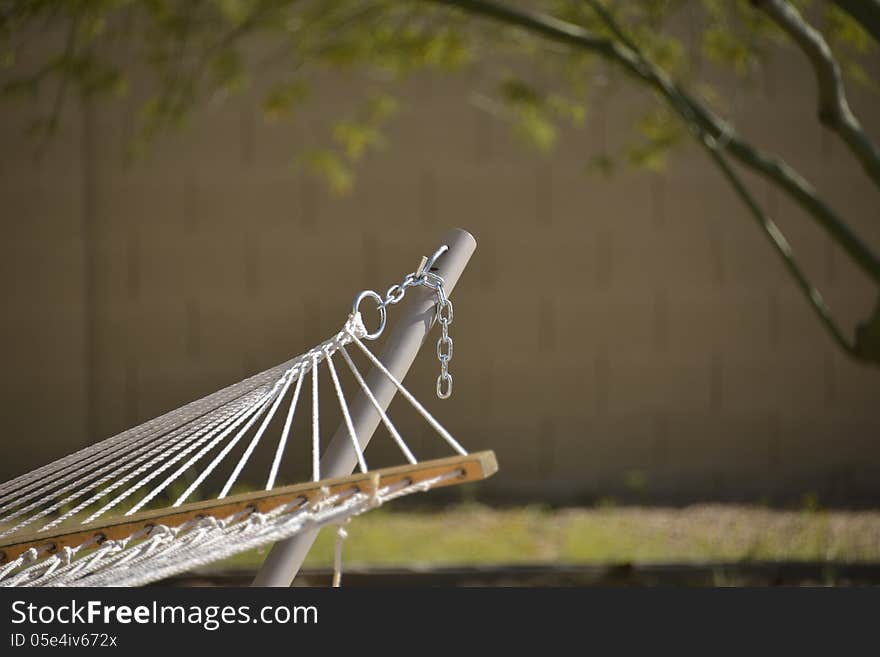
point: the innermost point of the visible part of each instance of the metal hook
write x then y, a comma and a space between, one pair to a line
428, 264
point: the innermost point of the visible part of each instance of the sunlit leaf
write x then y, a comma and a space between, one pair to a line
329, 167
283, 99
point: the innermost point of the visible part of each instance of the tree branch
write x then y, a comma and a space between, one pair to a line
772, 168
834, 110
767, 225
777, 239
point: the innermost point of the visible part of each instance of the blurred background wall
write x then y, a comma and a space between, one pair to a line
629, 337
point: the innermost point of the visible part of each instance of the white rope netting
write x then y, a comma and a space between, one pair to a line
181, 450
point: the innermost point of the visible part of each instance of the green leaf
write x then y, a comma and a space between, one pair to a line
853, 46
847, 32
603, 163
519, 92
574, 112
229, 70
282, 99
661, 131
722, 47
21, 88
329, 167
235, 12
7, 59
533, 125
356, 138
530, 113
381, 107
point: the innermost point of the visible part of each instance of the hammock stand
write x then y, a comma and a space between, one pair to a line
142, 546
285, 559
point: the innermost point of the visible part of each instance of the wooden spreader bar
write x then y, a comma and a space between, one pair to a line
473, 467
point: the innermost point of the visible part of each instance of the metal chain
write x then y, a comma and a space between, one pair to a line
444, 344
444, 314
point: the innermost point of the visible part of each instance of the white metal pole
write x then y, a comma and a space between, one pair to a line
339, 459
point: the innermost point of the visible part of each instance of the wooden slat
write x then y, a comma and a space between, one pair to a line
473, 467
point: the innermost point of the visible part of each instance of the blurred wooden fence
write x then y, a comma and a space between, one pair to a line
631, 336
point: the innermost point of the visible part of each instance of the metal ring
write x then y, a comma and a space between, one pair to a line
383, 313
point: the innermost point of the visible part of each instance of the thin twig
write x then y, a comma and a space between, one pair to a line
777, 239
61, 93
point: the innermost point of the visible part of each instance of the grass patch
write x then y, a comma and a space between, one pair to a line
473, 534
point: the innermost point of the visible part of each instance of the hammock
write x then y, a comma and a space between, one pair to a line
84, 520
